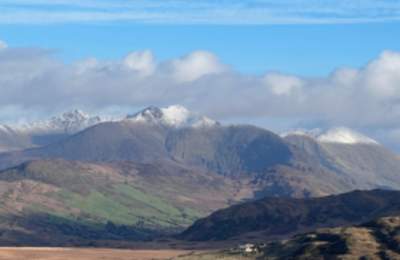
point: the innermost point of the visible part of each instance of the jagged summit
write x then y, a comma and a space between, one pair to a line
172, 116
148, 114
341, 135
67, 123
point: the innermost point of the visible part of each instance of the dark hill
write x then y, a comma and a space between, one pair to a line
378, 239
280, 216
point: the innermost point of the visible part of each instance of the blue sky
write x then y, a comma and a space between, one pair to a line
200, 11
299, 49
279, 64
303, 37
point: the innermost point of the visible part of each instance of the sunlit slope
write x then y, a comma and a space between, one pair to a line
143, 199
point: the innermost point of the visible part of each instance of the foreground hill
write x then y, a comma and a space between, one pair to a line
377, 239
270, 217
58, 202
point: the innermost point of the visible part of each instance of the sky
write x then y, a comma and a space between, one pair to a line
278, 64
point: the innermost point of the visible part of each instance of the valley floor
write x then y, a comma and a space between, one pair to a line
46, 253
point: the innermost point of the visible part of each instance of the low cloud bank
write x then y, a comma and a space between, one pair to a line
34, 81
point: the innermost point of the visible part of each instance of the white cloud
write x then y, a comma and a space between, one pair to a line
141, 62
364, 98
86, 65
382, 76
282, 84
196, 65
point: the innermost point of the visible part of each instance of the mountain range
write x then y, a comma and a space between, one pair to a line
158, 170
178, 135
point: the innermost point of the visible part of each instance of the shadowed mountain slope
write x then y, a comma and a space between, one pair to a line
378, 239
280, 216
229, 150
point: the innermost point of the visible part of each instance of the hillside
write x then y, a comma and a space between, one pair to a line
77, 201
364, 164
378, 239
285, 216
226, 150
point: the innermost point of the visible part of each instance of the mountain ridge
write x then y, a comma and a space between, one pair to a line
341, 135
36, 133
286, 216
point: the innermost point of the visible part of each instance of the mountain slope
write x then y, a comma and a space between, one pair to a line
283, 216
109, 141
377, 239
137, 200
227, 150
362, 161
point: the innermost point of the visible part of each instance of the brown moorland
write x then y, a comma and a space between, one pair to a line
47, 253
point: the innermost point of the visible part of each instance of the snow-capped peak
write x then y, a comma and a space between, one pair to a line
73, 115
346, 136
173, 116
67, 123
341, 135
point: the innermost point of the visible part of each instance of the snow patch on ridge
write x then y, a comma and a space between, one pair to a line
341, 135
345, 136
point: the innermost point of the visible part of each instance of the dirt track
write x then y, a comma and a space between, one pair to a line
12, 253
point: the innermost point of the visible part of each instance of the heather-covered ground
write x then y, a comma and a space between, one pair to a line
45, 253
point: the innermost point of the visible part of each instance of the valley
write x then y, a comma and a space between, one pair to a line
199, 130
